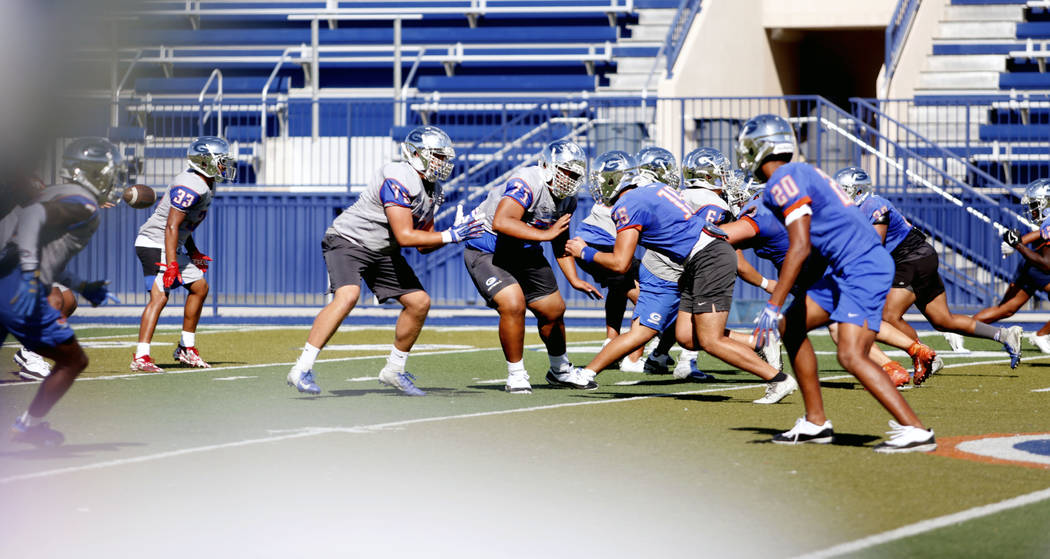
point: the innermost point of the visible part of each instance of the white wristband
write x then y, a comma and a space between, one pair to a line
446, 236
765, 283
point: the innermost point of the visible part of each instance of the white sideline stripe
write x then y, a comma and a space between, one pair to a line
1042, 390
233, 378
311, 431
928, 525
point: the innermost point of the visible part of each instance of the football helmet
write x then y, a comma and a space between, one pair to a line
762, 137
855, 182
606, 173
1037, 199
736, 188
564, 166
660, 165
96, 164
706, 168
428, 149
210, 156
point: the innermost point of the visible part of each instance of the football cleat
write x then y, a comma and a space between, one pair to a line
1012, 345
806, 432
777, 391
629, 366
905, 438
658, 364
189, 356
956, 342
772, 355
922, 357
937, 365
40, 434
518, 383
144, 364
897, 373
303, 381
31, 365
573, 378
1042, 343
401, 381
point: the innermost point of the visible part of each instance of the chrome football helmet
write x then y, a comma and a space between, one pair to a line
606, 173
96, 164
1037, 199
428, 149
660, 165
210, 156
856, 183
736, 188
761, 137
564, 166
706, 168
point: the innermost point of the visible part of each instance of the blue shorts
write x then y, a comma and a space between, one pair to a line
857, 294
1030, 278
44, 328
658, 300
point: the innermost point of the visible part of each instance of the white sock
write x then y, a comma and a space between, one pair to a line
307, 357
189, 339
516, 366
558, 361
397, 359
142, 350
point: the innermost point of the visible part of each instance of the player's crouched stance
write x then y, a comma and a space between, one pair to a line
817, 214
364, 242
508, 267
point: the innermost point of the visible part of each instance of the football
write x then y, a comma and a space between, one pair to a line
139, 196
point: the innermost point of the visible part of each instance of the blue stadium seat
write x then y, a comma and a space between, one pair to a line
527, 83
171, 86
1024, 80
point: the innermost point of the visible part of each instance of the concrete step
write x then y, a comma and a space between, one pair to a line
633, 65
959, 80
977, 30
966, 63
656, 17
984, 13
632, 81
648, 32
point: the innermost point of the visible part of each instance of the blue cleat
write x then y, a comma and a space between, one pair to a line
1012, 345
303, 381
40, 434
401, 381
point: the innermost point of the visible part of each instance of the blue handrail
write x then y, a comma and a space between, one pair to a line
897, 31
676, 34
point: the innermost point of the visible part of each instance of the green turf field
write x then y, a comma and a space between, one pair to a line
232, 462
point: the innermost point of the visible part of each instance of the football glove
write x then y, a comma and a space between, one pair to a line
1012, 238
767, 328
96, 293
466, 230
200, 260
1006, 249
172, 277
26, 294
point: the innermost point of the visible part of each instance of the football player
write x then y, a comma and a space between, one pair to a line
38, 241
658, 217
364, 243
1033, 273
169, 255
915, 277
817, 214
510, 271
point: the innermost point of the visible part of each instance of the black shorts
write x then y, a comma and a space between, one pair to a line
608, 278
1031, 279
150, 259
916, 264
708, 280
527, 268
387, 275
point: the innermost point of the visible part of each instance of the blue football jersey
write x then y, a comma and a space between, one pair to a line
880, 210
665, 221
771, 238
837, 229
1044, 231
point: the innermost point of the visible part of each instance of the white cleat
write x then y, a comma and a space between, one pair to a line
1042, 343
628, 366
905, 438
771, 354
518, 383
956, 342
777, 391
31, 365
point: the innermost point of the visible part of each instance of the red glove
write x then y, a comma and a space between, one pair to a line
172, 276
200, 260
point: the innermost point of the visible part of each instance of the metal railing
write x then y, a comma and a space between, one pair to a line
897, 32
680, 25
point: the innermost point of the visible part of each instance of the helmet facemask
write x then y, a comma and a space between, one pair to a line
564, 168
428, 149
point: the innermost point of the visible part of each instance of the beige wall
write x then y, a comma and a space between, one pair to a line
824, 14
906, 77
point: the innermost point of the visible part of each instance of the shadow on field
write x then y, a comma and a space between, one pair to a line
841, 439
383, 391
63, 451
844, 385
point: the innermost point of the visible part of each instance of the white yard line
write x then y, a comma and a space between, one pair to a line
931, 524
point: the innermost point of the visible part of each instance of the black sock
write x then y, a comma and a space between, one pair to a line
781, 376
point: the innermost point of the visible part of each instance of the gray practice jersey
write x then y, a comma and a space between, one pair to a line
396, 184
48, 246
527, 188
188, 193
710, 207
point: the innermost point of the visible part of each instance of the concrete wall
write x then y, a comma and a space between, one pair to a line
913, 55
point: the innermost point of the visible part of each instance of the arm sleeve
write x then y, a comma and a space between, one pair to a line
393, 193
519, 191
183, 198
27, 236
